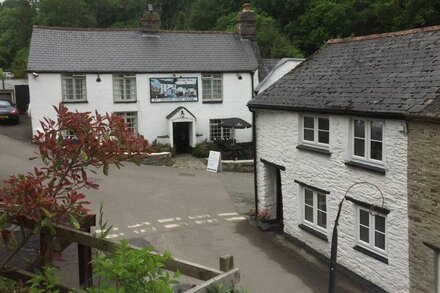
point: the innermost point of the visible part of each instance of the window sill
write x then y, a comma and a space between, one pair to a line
371, 254
125, 102
212, 102
313, 149
376, 169
74, 102
314, 232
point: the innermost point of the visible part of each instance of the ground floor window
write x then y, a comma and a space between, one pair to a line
371, 230
130, 118
218, 133
315, 209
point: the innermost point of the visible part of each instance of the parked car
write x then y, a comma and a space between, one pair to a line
8, 111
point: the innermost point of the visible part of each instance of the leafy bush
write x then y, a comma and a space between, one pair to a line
220, 288
130, 270
163, 147
201, 150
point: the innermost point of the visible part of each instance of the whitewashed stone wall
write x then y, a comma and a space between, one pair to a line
45, 91
278, 134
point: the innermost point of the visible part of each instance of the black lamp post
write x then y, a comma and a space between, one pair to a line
334, 247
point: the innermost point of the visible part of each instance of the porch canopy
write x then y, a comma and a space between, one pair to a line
235, 123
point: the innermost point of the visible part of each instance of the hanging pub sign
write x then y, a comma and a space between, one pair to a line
177, 89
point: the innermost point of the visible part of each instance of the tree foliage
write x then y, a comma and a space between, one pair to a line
286, 27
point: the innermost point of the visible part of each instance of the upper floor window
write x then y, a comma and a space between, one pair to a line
124, 87
219, 133
130, 118
73, 87
371, 230
315, 209
212, 87
316, 130
368, 140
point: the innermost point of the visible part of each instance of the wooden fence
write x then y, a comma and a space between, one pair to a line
226, 274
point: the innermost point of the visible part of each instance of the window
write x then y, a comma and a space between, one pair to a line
130, 118
74, 87
368, 140
315, 209
124, 87
219, 133
212, 87
371, 230
316, 130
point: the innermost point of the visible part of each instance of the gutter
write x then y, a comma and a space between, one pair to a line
397, 116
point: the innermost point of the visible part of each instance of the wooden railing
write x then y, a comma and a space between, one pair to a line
226, 274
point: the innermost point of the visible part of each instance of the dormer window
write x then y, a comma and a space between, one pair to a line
316, 131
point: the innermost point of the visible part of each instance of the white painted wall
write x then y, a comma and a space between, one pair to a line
281, 69
278, 134
45, 91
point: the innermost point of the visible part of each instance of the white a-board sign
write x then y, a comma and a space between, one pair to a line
214, 161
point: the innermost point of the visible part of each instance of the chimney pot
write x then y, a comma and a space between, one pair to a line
247, 23
150, 21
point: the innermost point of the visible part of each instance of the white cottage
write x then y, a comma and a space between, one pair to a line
343, 119
171, 86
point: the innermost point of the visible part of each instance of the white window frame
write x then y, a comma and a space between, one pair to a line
211, 77
367, 146
122, 97
126, 115
314, 225
316, 130
223, 136
74, 78
371, 229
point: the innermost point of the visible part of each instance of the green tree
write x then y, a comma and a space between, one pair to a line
69, 13
19, 64
16, 17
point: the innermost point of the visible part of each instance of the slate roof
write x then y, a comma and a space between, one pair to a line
265, 66
56, 49
389, 75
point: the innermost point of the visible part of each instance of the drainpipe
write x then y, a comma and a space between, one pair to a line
254, 146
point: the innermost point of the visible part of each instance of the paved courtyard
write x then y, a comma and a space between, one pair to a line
196, 215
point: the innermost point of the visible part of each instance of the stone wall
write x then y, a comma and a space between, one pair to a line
158, 159
278, 134
423, 204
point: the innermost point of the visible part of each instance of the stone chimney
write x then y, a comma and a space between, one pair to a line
247, 23
150, 21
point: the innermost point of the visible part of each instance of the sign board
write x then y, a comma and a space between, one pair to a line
214, 161
177, 89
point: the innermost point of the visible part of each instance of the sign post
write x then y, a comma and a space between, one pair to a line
214, 162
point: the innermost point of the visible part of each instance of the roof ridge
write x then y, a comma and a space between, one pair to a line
125, 29
384, 35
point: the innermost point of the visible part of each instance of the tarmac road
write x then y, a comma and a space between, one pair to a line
191, 214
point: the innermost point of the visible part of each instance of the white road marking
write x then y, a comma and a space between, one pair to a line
199, 217
115, 229
169, 220
228, 214
235, 219
139, 225
169, 226
209, 221
111, 236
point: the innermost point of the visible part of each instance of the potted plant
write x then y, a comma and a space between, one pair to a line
263, 220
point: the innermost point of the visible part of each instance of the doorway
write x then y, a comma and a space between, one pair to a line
181, 136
